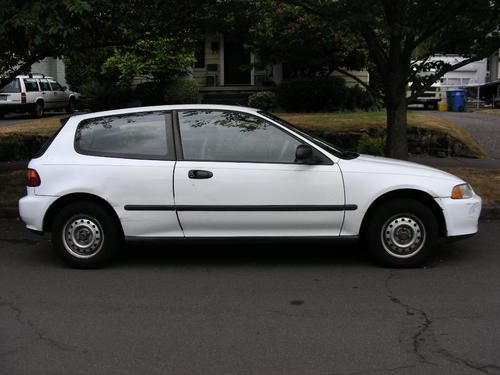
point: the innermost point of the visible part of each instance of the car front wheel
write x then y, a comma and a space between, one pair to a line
402, 233
85, 235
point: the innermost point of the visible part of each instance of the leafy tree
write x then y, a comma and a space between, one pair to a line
401, 35
31, 30
161, 59
306, 42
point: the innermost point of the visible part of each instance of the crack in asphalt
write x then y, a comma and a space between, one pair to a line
424, 337
18, 313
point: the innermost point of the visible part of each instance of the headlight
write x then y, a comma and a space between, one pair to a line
462, 191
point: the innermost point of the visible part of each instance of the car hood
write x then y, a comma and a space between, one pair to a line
381, 165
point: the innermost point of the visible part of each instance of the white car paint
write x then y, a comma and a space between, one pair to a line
122, 182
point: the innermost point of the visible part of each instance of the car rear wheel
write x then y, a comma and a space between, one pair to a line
71, 106
85, 235
39, 110
402, 233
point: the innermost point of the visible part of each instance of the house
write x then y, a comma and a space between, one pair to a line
51, 67
227, 72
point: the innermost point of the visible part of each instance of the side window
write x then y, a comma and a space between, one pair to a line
44, 85
234, 136
31, 85
55, 86
144, 135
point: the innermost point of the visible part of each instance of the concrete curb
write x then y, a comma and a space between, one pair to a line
487, 212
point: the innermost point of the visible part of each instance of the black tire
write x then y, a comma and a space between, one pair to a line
85, 235
38, 111
401, 233
71, 106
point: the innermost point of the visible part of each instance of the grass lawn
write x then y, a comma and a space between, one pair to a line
357, 120
484, 182
43, 126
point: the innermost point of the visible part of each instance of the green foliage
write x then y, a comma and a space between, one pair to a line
82, 67
357, 98
306, 42
100, 96
20, 146
150, 93
182, 91
264, 100
162, 59
371, 145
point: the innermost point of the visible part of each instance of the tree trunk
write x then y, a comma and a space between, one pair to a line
397, 142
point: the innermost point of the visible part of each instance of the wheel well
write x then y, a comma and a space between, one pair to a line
416, 195
77, 197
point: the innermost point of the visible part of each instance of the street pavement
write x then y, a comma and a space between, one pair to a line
246, 308
483, 127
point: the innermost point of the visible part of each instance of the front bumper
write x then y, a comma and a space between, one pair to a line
32, 209
461, 215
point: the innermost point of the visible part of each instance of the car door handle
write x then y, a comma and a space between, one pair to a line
199, 174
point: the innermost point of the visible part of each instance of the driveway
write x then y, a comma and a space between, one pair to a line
240, 309
484, 128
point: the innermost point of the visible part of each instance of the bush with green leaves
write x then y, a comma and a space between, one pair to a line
264, 100
371, 145
20, 146
182, 91
312, 94
100, 96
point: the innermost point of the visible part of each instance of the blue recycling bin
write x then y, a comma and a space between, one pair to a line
456, 100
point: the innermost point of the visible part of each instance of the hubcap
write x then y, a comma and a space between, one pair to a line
403, 236
83, 236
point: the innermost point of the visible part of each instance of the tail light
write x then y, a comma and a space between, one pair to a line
23, 98
32, 178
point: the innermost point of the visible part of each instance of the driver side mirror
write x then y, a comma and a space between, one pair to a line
304, 154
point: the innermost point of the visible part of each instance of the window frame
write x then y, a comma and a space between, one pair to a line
170, 144
322, 158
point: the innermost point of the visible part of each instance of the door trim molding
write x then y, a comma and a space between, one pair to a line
245, 208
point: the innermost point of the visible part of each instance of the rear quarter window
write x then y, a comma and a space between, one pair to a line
145, 135
31, 85
11, 87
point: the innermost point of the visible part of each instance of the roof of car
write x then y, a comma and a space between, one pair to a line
35, 75
165, 108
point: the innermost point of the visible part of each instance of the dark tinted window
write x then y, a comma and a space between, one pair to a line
136, 136
12, 86
199, 54
234, 136
55, 86
31, 84
44, 85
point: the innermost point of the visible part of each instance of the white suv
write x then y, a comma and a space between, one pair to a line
198, 171
35, 93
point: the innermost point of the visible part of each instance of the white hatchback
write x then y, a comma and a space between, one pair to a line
198, 171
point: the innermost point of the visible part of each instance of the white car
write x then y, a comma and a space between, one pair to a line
198, 171
35, 93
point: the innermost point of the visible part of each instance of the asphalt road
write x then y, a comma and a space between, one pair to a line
241, 309
483, 127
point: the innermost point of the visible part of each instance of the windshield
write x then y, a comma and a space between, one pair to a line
12, 86
337, 151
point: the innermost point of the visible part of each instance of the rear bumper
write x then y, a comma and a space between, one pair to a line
461, 215
32, 209
16, 107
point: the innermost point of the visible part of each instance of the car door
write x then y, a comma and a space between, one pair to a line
49, 101
237, 176
58, 94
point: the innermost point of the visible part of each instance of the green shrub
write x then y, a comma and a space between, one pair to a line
100, 96
371, 145
19, 146
181, 91
312, 94
150, 93
264, 100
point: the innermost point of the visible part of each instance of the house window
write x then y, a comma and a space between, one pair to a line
199, 54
